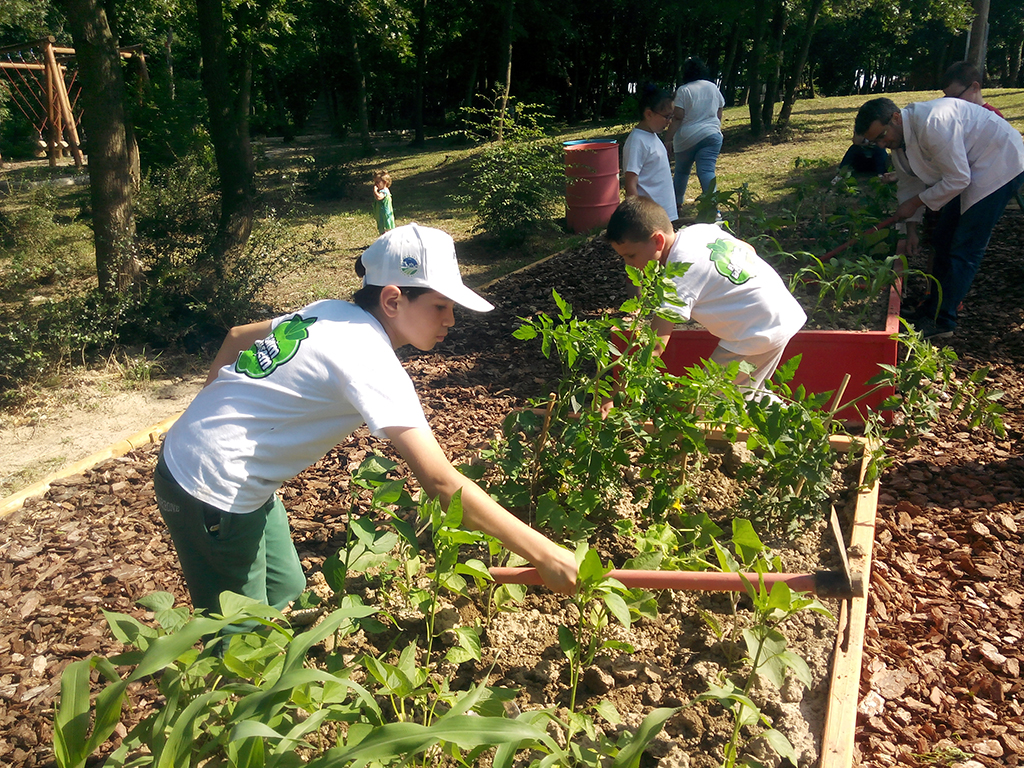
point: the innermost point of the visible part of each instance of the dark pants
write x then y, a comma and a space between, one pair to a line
960, 241
251, 554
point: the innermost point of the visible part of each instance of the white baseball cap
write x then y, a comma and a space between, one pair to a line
415, 256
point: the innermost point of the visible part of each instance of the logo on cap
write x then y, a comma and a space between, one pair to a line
410, 265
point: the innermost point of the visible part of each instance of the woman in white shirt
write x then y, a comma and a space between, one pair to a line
696, 128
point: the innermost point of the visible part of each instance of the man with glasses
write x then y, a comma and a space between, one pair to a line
960, 160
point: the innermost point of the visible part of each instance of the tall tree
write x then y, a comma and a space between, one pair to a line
354, 30
227, 47
979, 35
777, 32
799, 61
110, 159
754, 68
421, 71
506, 69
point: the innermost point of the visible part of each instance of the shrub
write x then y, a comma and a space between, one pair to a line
178, 201
325, 179
517, 180
514, 187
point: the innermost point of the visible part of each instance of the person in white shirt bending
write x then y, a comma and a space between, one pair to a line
957, 158
283, 392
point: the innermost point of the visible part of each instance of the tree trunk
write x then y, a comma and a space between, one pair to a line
362, 107
730, 69
227, 83
796, 72
169, 59
507, 68
979, 36
110, 162
771, 91
756, 56
1016, 49
421, 69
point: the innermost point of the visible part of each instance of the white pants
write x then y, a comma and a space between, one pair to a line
764, 366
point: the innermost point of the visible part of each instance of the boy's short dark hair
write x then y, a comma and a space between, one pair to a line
636, 219
962, 72
880, 109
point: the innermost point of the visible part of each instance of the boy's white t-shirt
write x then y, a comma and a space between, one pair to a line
326, 370
700, 101
732, 292
644, 154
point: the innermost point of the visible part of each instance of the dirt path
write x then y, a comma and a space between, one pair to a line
89, 414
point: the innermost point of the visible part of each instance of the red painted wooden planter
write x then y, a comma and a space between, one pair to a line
827, 356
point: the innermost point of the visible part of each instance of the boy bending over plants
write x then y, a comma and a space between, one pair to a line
727, 288
283, 392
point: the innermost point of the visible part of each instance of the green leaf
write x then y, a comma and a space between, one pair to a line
608, 711
781, 745
567, 642
186, 729
798, 666
335, 572
475, 568
745, 540
590, 566
400, 740
157, 601
71, 721
629, 756
469, 646
389, 493
129, 630
617, 607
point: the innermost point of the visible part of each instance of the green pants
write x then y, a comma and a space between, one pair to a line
251, 554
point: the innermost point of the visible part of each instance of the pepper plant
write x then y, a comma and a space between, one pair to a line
764, 648
563, 463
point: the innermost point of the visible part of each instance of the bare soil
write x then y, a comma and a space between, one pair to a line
943, 650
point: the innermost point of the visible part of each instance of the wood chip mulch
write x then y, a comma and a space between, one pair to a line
941, 674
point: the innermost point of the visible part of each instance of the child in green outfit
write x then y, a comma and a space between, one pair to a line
383, 211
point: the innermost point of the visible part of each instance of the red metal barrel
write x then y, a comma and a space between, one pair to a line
591, 183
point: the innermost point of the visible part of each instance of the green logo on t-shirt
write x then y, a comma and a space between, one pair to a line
263, 357
731, 260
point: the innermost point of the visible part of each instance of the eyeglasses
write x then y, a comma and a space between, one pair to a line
965, 90
669, 116
880, 136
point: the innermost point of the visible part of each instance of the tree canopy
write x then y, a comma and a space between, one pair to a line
402, 64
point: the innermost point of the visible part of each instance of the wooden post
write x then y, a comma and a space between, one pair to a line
53, 137
63, 104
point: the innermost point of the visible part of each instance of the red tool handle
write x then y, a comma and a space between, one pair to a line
878, 226
703, 581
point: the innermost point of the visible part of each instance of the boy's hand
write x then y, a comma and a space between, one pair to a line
558, 570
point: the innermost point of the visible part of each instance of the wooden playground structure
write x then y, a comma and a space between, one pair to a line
43, 82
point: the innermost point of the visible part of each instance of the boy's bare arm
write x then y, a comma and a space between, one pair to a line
239, 339
663, 330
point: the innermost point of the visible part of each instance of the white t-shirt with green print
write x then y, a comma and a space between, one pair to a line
324, 372
733, 292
